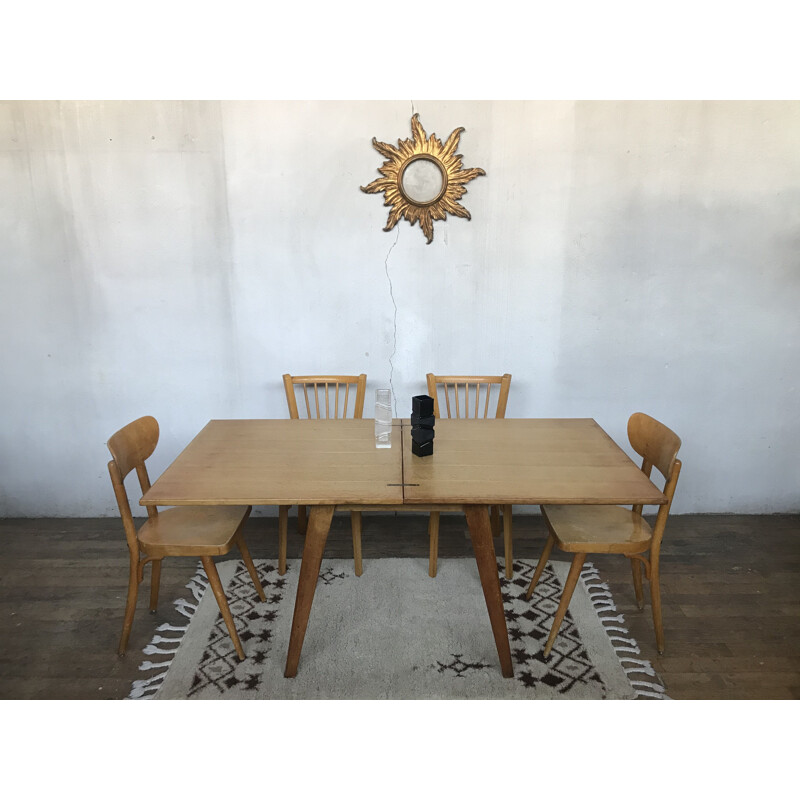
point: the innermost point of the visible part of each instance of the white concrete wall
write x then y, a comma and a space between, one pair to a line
175, 258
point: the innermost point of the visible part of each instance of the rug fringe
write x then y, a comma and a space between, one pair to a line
146, 689
145, 665
600, 595
653, 695
167, 627
650, 685
185, 607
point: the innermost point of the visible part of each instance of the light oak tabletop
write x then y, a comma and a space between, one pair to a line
321, 462
525, 462
282, 462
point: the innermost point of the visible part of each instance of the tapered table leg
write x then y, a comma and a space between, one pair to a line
480, 530
319, 524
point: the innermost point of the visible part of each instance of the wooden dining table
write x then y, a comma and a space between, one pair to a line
334, 464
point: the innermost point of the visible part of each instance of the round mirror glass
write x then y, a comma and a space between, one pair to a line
422, 181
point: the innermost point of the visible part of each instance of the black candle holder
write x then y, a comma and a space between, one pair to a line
422, 422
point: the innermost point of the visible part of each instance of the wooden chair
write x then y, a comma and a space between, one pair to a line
330, 399
197, 531
465, 397
614, 529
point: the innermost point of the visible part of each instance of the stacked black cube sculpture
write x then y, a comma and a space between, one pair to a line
422, 422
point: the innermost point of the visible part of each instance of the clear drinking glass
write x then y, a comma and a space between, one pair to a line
383, 418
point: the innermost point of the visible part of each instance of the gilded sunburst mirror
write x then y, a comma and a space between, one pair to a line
422, 178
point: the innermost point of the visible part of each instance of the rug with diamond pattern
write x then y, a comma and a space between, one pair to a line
396, 633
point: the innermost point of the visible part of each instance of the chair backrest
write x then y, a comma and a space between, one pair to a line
326, 396
130, 447
658, 446
462, 394
654, 442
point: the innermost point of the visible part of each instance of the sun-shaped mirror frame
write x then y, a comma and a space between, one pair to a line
398, 159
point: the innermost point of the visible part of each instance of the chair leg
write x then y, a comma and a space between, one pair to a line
302, 519
566, 596
655, 601
248, 562
495, 513
130, 607
543, 559
433, 536
283, 535
355, 523
507, 542
636, 569
155, 580
222, 602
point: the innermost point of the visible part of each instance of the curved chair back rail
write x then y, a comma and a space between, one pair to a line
326, 396
468, 396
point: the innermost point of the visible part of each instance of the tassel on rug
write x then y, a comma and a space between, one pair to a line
145, 689
620, 638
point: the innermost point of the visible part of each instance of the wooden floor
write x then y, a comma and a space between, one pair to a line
731, 598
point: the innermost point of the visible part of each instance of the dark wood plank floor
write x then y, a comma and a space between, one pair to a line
730, 593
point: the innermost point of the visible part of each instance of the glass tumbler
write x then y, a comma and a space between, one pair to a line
383, 418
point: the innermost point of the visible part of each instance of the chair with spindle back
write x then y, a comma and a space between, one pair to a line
613, 529
196, 531
324, 397
471, 396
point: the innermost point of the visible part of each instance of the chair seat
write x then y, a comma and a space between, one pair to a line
191, 530
598, 529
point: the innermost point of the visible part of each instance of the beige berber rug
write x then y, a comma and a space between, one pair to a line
396, 633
